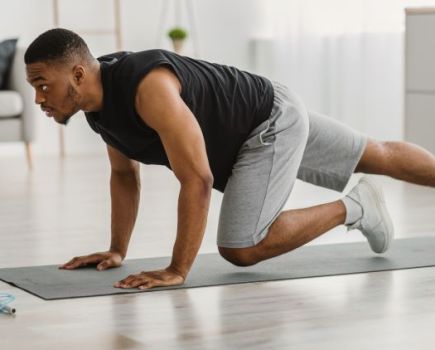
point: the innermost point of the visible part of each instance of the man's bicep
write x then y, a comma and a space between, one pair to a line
120, 163
185, 147
159, 104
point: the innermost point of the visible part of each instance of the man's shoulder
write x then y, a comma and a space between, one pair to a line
114, 56
126, 57
123, 67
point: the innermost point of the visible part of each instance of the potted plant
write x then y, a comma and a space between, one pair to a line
177, 35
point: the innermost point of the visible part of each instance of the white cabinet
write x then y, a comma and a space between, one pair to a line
420, 123
420, 77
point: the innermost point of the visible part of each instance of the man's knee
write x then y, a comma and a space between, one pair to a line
239, 256
375, 158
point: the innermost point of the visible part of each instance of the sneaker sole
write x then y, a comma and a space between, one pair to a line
381, 206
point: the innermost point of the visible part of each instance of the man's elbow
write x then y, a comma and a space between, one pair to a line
204, 181
207, 181
132, 176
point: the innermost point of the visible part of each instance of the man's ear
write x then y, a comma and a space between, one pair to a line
78, 74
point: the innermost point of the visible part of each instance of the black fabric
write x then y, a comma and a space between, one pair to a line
227, 102
7, 52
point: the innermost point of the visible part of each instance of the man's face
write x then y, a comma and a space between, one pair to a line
54, 90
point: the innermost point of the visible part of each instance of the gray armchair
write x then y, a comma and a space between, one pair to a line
18, 110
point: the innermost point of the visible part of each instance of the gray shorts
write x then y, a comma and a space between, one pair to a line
293, 143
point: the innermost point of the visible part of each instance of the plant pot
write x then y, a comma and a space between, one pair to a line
178, 45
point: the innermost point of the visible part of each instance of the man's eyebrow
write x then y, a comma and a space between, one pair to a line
36, 79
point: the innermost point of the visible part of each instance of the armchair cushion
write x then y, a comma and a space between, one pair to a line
11, 104
7, 52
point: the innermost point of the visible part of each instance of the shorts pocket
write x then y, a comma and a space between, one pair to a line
263, 138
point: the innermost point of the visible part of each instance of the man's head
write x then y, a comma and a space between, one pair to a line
59, 66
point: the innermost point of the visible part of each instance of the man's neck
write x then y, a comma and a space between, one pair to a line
94, 97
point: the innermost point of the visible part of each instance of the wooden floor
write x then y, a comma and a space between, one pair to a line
62, 210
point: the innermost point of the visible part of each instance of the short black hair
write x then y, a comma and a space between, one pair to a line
58, 44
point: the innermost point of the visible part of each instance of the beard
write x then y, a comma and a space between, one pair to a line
71, 101
65, 120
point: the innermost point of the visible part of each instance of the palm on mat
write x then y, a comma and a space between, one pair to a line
143, 280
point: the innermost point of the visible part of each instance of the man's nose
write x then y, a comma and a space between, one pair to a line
39, 98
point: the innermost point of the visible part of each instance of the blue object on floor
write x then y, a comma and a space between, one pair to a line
5, 299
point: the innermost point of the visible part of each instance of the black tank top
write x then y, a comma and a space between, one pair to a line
227, 102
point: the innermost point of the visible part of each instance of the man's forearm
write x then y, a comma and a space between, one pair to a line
193, 206
125, 194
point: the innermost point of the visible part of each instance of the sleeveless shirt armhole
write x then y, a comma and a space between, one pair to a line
142, 73
138, 78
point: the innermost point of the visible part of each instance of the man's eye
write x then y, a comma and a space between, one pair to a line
44, 87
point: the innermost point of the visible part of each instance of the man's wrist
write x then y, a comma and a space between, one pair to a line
183, 272
118, 251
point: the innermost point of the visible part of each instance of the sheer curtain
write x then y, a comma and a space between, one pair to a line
343, 57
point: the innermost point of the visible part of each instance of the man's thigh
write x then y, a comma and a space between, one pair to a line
332, 153
263, 177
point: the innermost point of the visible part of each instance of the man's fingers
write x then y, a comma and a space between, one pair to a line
104, 265
74, 265
81, 261
150, 279
154, 283
132, 281
126, 281
70, 263
149, 284
139, 282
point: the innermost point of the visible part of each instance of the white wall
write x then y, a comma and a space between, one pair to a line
344, 57
350, 77
224, 29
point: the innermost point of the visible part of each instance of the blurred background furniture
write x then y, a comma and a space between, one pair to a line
17, 108
420, 77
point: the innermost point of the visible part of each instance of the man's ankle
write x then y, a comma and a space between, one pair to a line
354, 210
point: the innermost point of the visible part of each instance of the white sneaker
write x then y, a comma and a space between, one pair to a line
375, 222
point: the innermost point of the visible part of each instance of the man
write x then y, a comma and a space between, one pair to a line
216, 127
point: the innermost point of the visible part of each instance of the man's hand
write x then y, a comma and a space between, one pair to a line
150, 279
104, 260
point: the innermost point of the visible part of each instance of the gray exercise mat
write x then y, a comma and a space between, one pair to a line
49, 283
